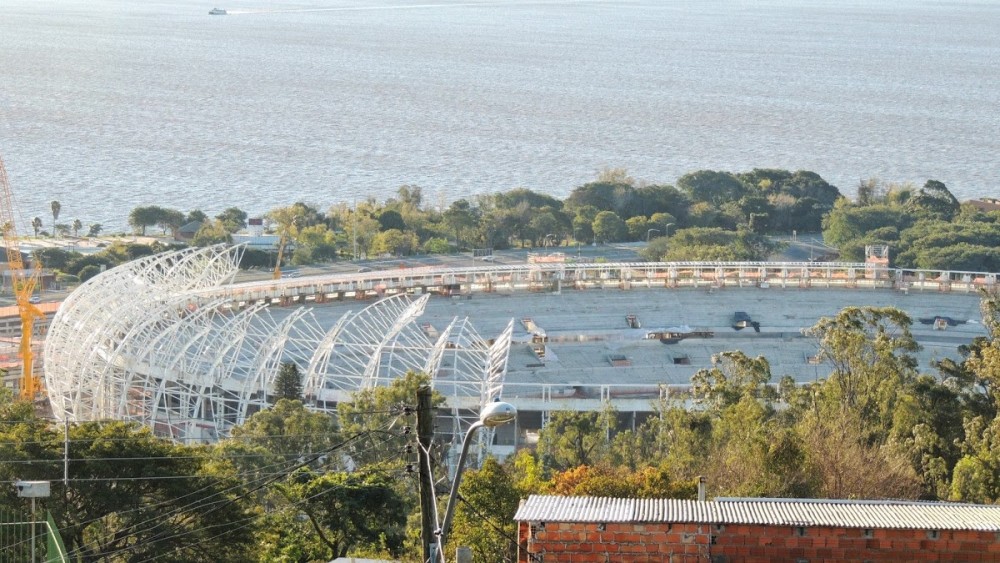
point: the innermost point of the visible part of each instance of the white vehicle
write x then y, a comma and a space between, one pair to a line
489, 258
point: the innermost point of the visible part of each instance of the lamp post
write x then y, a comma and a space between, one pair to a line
657, 231
495, 414
32, 490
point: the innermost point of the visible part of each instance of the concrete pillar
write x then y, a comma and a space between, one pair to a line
463, 554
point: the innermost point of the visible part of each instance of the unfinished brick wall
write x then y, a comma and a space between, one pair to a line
573, 542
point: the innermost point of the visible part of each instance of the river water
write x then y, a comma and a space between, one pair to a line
110, 104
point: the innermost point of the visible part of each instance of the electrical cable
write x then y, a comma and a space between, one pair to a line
496, 527
249, 521
267, 480
174, 536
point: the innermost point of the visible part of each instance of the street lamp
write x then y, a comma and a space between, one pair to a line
657, 231
495, 414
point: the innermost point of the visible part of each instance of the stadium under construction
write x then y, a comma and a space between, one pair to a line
172, 342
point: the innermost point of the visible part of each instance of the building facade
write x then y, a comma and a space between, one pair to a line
604, 530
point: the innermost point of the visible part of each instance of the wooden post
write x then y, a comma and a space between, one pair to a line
428, 508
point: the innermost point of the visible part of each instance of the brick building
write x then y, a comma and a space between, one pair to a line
609, 530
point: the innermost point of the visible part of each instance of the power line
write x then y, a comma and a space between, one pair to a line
261, 482
174, 536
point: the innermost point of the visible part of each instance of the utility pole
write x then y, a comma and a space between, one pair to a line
428, 507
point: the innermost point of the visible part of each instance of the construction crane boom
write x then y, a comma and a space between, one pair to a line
23, 284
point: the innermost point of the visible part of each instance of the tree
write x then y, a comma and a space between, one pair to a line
55, 258
233, 219
609, 227
349, 510
376, 409
170, 220
934, 199
77, 225
130, 497
36, 224
871, 351
573, 438
639, 228
711, 187
846, 223
490, 494
391, 219
288, 383
196, 216
56, 208
461, 218
141, 217
395, 242
289, 430
212, 232
88, 272
437, 245
733, 376
94, 230
841, 457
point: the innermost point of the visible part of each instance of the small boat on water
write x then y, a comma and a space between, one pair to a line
216, 12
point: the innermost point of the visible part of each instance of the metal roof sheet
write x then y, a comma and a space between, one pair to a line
773, 512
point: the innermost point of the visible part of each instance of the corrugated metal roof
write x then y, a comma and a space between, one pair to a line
774, 512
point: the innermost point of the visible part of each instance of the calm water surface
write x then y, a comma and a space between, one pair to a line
107, 105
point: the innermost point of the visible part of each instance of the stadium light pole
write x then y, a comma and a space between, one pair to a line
495, 414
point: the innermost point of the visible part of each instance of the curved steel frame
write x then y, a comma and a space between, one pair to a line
159, 341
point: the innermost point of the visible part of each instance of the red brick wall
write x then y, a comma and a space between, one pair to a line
647, 543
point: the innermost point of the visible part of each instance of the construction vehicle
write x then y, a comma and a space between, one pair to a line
23, 284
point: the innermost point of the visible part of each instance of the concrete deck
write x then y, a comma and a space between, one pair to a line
586, 327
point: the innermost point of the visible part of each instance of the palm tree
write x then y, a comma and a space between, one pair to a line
36, 224
77, 225
56, 208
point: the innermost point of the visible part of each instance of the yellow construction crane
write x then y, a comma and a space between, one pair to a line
23, 284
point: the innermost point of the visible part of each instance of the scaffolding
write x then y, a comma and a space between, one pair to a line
158, 342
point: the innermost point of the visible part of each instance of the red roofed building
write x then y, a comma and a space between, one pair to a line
611, 530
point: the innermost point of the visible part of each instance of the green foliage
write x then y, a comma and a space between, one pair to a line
212, 232
484, 517
288, 383
847, 223
733, 376
391, 219
377, 409
54, 258
711, 187
350, 510
130, 495
289, 430
871, 350
576, 438
437, 245
233, 219
611, 481
88, 272
608, 227
712, 244
167, 219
